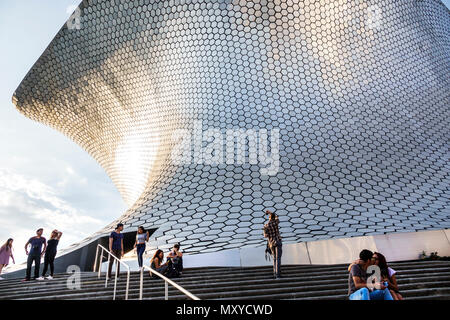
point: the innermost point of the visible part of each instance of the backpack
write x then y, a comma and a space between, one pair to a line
171, 272
268, 252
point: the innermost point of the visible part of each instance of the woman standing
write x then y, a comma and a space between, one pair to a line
141, 238
50, 253
5, 254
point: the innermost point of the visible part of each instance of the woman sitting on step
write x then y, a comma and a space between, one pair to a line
387, 274
157, 265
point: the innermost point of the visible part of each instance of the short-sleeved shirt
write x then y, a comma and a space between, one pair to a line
117, 240
36, 245
52, 244
141, 238
391, 272
355, 271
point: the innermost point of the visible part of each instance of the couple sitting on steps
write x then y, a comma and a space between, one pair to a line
360, 284
173, 267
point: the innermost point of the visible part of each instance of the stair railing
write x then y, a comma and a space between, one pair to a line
117, 267
166, 284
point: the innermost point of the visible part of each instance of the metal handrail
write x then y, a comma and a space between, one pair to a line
117, 266
166, 281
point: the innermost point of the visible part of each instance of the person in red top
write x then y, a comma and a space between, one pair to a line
272, 233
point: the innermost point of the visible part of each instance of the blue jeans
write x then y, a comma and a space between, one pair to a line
140, 248
365, 294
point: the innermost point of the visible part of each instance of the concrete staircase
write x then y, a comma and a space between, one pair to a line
417, 280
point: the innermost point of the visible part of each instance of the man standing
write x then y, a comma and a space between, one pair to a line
357, 281
35, 254
272, 233
116, 248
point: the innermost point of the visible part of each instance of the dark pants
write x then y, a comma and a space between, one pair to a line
36, 258
162, 270
118, 255
277, 251
140, 248
178, 263
49, 260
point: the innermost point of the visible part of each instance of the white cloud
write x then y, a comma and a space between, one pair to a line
27, 204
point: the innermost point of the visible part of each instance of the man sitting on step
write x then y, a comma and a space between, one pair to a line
358, 286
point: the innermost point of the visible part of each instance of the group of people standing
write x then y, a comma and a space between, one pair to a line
39, 247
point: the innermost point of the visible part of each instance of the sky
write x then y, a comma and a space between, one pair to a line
46, 180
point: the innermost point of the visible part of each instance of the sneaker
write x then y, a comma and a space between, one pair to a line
2, 278
25, 280
40, 279
49, 278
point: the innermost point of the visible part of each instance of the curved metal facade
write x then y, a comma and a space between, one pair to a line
359, 91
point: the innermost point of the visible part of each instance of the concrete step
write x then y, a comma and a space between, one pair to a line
213, 288
340, 267
94, 284
419, 279
422, 294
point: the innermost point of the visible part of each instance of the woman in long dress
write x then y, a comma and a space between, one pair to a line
5, 254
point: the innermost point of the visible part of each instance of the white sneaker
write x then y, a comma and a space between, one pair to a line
49, 278
40, 279
2, 278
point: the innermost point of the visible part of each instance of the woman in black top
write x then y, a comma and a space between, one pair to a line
50, 253
156, 262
